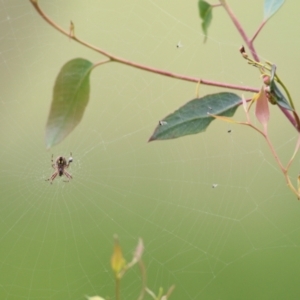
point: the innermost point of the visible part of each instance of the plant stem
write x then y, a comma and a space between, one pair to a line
257, 32
268, 142
137, 65
102, 62
144, 280
117, 288
275, 154
240, 29
283, 169
289, 117
294, 154
291, 102
290, 185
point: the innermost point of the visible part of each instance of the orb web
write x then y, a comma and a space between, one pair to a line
212, 209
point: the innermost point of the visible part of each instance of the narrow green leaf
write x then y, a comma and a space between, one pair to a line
70, 97
205, 13
276, 95
271, 7
279, 98
194, 116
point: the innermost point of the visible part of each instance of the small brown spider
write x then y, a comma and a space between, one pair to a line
60, 166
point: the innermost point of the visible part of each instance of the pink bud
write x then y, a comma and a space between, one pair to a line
266, 79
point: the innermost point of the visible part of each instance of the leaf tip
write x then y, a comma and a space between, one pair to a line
48, 144
271, 7
205, 13
150, 139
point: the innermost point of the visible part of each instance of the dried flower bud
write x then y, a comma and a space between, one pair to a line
242, 50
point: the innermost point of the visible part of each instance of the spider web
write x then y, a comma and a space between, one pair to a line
213, 209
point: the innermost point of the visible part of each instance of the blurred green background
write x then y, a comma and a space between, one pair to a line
239, 240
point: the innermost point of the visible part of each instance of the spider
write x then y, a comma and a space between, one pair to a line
60, 166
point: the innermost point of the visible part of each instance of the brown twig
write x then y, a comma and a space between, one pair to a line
137, 65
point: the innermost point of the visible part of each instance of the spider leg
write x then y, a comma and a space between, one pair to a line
53, 176
68, 175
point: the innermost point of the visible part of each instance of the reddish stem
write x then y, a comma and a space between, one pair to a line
137, 65
112, 57
240, 30
257, 32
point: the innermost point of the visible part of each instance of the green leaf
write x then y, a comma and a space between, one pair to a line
205, 13
194, 116
70, 97
271, 7
276, 96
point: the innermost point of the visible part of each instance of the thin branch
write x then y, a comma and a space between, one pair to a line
240, 30
290, 185
294, 154
102, 62
291, 102
216, 5
257, 32
290, 117
275, 155
170, 291
144, 280
137, 65
269, 144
